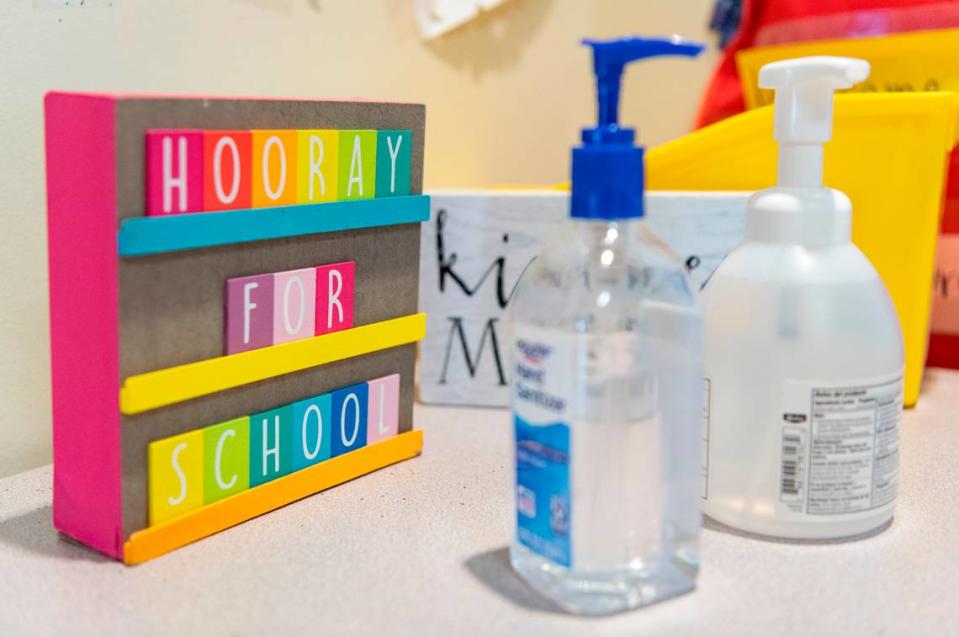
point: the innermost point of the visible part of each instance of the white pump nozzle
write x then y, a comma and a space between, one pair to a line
803, 112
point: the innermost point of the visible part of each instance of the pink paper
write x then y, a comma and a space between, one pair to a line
294, 305
174, 166
84, 318
249, 313
383, 415
334, 297
945, 302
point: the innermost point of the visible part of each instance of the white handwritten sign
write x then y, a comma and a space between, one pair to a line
475, 249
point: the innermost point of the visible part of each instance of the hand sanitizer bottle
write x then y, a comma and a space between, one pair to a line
803, 350
607, 386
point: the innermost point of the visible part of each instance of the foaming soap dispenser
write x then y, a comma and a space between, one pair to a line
607, 384
803, 351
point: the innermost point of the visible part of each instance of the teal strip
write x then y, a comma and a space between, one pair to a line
153, 235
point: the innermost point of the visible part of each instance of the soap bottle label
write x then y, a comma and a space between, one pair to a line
543, 375
839, 446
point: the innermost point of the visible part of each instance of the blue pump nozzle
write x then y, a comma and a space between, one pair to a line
610, 58
608, 167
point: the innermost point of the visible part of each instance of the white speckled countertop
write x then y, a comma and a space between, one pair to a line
419, 549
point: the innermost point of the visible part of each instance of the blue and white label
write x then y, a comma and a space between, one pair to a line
544, 367
542, 490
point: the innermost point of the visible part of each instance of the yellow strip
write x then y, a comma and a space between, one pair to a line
156, 540
176, 384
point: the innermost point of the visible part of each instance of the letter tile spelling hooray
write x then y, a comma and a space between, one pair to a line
188, 243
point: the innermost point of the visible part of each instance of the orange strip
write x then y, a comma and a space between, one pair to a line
156, 540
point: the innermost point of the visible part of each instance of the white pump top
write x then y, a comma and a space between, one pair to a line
803, 112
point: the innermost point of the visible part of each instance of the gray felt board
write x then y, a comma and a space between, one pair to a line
172, 305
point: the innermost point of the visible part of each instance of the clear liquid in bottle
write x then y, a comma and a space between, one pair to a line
607, 406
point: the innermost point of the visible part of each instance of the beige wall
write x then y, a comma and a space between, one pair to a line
506, 96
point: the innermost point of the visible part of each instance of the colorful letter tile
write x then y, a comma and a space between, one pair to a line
334, 297
349, 419
249, 312
294, 305
274, 167
393, 160
227, 170
357, 178
226, 459
175, 475
207, 465
384, 409
318, 156
174, 171
270, 436
312, 426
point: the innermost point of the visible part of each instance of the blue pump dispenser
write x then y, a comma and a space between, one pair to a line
608, 174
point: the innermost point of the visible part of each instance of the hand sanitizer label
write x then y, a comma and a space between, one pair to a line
542, 489
543, 377
839, 451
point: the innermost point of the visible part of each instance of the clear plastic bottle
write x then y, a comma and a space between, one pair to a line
803, 352
783, 321
607, 383
607, 372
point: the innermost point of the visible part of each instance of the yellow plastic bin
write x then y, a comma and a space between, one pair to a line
901, 62
888, 153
